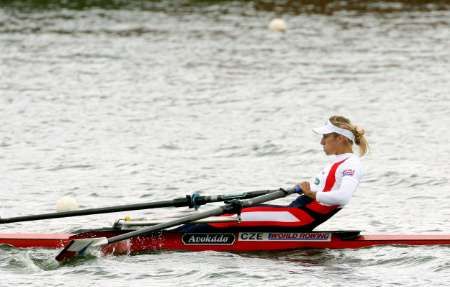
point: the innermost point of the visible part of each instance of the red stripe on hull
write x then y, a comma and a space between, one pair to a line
231, 242
30, 240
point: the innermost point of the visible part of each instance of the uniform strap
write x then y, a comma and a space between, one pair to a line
331, 178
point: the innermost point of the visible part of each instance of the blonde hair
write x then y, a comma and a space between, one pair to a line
358, 132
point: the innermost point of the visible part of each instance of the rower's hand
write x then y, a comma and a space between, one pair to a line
306, 188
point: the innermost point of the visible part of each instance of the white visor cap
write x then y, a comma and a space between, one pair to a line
329, 128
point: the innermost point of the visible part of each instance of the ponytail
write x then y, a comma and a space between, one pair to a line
358, 132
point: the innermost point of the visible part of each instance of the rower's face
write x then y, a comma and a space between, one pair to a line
329, 143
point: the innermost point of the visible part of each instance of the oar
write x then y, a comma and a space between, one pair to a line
192, 201
78, 247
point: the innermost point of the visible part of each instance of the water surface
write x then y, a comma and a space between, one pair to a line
114, 102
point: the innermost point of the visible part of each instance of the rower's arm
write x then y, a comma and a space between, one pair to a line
339, 196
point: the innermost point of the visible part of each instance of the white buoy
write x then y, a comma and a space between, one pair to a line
66, 203
277, 25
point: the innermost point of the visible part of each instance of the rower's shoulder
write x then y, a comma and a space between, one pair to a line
353, 162
353, 159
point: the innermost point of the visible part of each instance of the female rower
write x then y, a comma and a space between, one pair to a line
327, 193
321, 198
334, 186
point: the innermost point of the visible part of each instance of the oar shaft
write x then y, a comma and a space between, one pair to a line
189, 200
197, 216
157, 204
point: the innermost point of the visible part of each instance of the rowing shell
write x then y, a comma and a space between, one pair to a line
242, 240
228, 241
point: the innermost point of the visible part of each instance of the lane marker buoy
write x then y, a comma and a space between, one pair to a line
66, 203
277, 25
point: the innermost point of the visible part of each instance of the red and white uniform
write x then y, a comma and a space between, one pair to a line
338, 190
